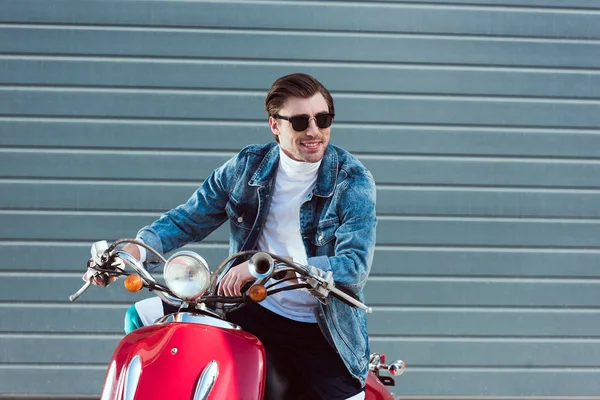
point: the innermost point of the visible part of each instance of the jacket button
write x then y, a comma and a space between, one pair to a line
321, 236
240, 220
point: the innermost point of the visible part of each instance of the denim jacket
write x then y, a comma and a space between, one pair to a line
337, 223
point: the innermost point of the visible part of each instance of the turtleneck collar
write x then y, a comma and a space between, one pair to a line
298, 170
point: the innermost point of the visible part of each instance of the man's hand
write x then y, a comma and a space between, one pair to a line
234, 280
288, 275
132, 249
99, 280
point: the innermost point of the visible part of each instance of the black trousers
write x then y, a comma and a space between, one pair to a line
301, 364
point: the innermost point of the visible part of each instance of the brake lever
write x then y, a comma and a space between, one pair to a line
99, 257
90, 274
322, 284
76, 295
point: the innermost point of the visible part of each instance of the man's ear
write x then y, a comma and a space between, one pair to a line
274, 126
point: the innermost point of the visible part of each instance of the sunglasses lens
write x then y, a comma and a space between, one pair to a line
300, 123
324, 120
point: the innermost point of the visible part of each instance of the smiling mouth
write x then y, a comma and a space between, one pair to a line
312, 145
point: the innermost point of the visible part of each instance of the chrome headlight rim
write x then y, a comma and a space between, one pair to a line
202, 262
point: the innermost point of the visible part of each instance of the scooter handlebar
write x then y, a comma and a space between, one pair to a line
324, 284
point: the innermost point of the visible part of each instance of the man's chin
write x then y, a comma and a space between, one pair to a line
313, 158
316, 155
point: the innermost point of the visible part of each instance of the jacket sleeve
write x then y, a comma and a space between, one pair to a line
355, 237
197, 218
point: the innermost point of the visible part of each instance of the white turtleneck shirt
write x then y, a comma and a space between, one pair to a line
294, 180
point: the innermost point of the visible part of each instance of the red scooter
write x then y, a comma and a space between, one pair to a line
195, 353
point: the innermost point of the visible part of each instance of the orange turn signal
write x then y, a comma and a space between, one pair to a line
134, 283
257, 293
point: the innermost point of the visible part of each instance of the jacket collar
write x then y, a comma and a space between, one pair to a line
326, 177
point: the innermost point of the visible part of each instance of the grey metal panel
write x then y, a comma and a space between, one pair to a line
357, 108
83, 380
63, 317
487, 232
337, 16
424, 382
423, 352
161, 196
481, 261
389, 261
484, 321
94, 226
481, 171
559, 5
70, 226
81, 196
257, 44
453, 352
493, 322
158, 165
256, 75
479, 120
58, 349
56, 288
488, 201
195, 166
481, 382
380, 291
118, 196
366, 138
72, 256
483, 291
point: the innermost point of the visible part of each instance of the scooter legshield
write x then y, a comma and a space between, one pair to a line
168, 361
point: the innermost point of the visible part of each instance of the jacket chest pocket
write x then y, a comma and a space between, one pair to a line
239, 215
325, 233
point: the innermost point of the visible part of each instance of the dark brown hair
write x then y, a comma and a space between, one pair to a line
294, 85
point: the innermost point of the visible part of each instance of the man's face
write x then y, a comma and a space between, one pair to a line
309, 145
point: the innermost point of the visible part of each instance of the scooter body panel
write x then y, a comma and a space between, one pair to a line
375, 390
168, 362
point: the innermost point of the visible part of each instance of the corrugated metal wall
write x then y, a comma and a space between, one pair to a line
479, 120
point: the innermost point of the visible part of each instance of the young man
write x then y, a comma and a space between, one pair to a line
303, 198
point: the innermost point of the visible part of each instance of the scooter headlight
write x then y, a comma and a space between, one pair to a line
187, 275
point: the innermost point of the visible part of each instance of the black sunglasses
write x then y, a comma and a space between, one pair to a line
300, 122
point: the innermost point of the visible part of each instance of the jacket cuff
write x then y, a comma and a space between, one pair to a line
151, 238
321, 262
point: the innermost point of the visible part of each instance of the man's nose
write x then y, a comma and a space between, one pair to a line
313, 129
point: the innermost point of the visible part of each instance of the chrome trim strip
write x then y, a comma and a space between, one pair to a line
207, 381
197, 319
110, 383
132, 377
